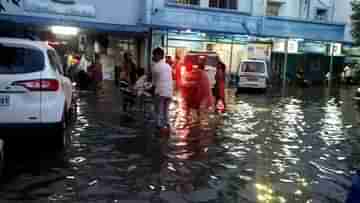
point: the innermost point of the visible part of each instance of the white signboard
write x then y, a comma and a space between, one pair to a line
336, 47
259, 51
293, 46
279, 46
56, 7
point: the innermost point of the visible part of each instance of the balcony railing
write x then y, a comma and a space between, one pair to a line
185, 2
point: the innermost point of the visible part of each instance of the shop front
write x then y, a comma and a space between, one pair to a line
236, 36
232, 49
309, 52
230, 34
79, 29
308, 60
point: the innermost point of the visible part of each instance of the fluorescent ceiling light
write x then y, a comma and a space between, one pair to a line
63, 30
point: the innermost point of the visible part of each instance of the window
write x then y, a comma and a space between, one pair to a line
186, 2
321, 14
273, 9
253, 67
17, 60
226, 4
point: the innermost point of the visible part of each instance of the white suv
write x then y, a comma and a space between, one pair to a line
33, 89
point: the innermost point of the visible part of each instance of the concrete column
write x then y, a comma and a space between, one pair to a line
204, 3
146, 58
285, 62
147, 12
331, 68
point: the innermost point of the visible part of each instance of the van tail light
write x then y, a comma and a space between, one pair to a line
39, 85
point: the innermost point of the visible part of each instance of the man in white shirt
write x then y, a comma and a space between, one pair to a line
348, 74
162, 80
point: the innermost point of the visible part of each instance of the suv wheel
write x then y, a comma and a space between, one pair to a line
60, 137
2, 157
72, 113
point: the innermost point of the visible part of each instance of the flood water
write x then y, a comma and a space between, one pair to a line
294, 145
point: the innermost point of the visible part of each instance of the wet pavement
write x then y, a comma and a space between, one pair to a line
294, 145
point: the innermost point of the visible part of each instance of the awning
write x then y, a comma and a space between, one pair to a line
48, 21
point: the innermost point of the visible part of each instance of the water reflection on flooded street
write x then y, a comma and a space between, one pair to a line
300, 145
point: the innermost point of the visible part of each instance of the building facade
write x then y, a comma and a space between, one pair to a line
242, 29
314, 30
86, 27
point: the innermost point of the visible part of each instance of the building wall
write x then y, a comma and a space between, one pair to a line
290, 9
342, 13
245, 6
126, 12
258, 7
323, 4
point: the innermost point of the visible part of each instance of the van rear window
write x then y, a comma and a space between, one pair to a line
15, 60
253, 67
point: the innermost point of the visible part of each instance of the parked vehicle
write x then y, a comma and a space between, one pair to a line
1, 157
193, 57
33, 89
253, 74
356, 98
354, 193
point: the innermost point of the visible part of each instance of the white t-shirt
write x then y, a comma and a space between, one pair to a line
211, 72
84, 63
162, 79
347, 71
108, 65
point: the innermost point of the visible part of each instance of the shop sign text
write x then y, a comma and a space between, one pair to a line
336, 49
55, 7
279, 46
193, 19
316, 48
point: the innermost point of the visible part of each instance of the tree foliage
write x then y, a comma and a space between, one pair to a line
15, 2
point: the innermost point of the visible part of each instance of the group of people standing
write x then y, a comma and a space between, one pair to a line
89, 73
191, 84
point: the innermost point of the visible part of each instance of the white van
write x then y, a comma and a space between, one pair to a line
253, 74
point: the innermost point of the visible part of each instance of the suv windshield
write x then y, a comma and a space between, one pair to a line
15, 60
253, 67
